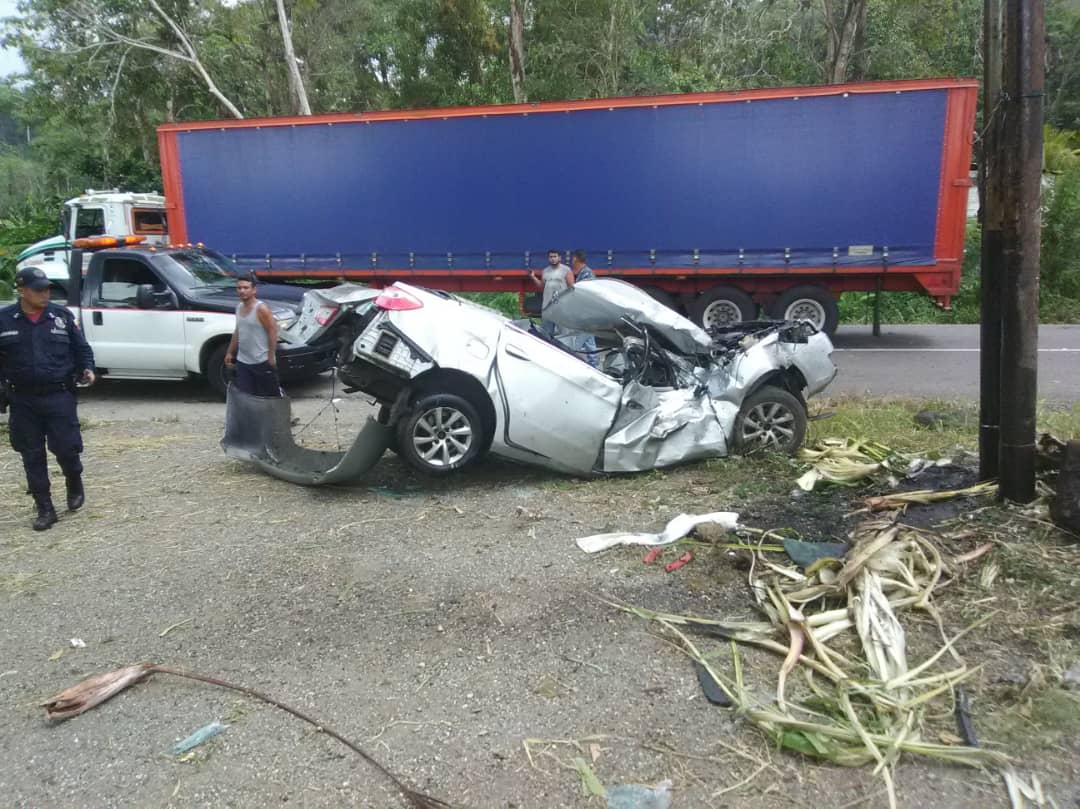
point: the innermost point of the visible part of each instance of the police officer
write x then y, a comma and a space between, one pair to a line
42, 355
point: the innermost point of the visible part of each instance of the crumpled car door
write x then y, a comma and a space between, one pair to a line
556, 409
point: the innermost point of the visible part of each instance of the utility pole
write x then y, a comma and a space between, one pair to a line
1020, 165
991, 269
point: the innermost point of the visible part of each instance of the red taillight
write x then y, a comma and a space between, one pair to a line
397, 300
325, 314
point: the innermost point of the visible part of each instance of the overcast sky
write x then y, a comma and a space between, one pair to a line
9, 57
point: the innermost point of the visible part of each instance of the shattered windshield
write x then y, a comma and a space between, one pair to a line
199, 268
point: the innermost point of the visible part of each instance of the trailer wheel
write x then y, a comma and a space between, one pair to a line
770, 419
808, 302
722, 306
442, 434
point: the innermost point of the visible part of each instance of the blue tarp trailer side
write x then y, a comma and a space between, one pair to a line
758, 189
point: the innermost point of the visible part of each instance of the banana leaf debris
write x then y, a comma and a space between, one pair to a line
846, 690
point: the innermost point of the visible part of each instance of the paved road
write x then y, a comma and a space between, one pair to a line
942, 362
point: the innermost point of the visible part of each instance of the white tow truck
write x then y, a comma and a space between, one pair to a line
96, 213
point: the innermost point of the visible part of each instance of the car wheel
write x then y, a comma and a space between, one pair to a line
770, 419
722, 306
441, 434
808, 302
216, 373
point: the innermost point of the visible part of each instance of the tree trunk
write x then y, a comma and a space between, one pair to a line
842, 28
296, 82
517, 49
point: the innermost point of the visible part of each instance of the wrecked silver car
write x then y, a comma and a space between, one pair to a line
457, 380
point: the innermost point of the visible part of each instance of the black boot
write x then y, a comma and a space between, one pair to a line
75, 495
46, 514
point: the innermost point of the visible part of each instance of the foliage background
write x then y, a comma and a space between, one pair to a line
103, 74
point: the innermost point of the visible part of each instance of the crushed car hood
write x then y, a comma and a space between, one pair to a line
602, 305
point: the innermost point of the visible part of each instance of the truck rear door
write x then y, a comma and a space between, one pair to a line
129, 341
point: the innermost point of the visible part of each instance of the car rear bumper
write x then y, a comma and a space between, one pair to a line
299, 361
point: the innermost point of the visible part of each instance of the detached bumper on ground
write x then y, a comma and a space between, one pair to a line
260, 430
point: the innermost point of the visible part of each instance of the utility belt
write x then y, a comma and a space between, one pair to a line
40, 389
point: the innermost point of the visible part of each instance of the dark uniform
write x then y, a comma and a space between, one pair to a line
40, 362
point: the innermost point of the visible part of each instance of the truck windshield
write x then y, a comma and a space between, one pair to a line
198, 268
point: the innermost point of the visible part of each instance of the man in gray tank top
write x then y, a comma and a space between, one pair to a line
557, 277
253, 348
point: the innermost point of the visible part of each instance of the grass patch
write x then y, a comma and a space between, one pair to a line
891, 422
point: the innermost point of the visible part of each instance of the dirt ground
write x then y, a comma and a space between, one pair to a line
440, 625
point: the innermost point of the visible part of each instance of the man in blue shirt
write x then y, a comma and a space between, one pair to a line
42, 355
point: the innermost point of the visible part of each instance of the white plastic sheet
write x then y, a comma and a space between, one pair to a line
677, 528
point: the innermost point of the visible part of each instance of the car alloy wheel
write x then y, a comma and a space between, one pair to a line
441, 434
771, 419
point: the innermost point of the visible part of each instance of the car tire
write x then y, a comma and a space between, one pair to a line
216, 373
770, 419
722, 306
808, 302
441, 434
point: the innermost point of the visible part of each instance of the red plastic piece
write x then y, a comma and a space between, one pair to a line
682, 560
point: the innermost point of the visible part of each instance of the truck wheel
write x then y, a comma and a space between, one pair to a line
808, 302
442, 434
216, 373
722, 306
770, 419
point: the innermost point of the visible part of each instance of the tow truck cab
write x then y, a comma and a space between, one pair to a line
94, 214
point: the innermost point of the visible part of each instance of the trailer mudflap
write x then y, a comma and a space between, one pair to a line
259, 430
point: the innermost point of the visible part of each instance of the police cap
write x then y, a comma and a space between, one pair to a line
32, 278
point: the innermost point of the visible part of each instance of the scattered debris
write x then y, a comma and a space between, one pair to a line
680, 562
963, 719
636, 796
888, 502
805, 554
78, 643
203, 734
869, 705
177, 625
676, 529
590, 784
1020, 792
710, 688
846, 462
93, 691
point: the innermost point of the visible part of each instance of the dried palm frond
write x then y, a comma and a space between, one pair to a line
900, 499
94, 691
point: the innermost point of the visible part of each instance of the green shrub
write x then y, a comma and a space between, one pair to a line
1061, 237
504, 302
34, 219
